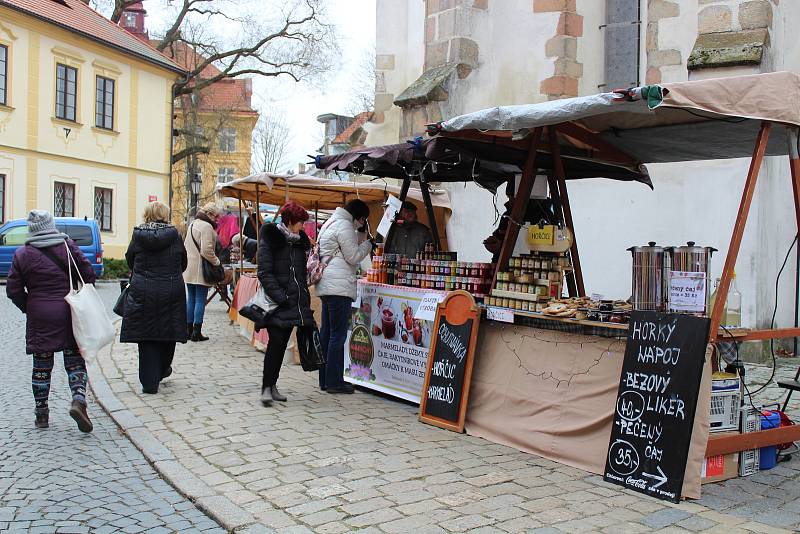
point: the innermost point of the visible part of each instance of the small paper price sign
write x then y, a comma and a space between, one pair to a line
687, 291
427, 308
503, 315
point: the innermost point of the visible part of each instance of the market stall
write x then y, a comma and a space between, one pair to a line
548, 366
316, 195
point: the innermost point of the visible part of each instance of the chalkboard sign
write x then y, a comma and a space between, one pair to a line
656, 402
446, 389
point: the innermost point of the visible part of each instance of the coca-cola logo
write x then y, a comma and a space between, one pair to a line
639, 483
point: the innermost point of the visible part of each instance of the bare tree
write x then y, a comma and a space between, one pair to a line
362, 84
270, 141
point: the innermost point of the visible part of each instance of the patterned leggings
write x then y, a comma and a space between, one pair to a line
43, 369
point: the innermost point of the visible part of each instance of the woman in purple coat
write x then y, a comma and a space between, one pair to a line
37, 284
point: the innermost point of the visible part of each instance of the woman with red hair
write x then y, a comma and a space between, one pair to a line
282, 272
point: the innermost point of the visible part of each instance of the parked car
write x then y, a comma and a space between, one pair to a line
85, 232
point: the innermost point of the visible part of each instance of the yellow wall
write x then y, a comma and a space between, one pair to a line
37, 149
209, 164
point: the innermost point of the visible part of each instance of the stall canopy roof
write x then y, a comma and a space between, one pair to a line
318, 193
608, 135
705, 119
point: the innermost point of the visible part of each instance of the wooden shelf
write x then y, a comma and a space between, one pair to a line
531, 297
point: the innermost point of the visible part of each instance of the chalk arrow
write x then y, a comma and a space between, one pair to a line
661, 477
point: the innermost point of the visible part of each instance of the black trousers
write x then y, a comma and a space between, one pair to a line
155, 357
273, 356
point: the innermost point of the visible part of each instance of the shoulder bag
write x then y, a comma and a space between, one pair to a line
312, 356
91, 325
119, 306
212, 274
314, 265
259, 308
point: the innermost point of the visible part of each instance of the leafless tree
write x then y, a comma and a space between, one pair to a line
270, 141
362, 83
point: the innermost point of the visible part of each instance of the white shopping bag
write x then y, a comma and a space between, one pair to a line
91, 325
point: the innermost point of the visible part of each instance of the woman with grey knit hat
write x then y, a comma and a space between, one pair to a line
37, 284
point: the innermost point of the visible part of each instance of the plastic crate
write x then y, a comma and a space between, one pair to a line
724, 410
749, 461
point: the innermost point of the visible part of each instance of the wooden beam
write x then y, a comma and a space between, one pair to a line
606, 151
521, 199
426, 197
760, 335
561, 177
738, 228
751, 440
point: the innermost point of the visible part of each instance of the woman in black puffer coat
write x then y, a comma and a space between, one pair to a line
155, 308
283, 251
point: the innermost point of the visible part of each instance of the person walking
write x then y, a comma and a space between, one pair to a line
200, 242
37, 283
282, 255
343, 243
155, 308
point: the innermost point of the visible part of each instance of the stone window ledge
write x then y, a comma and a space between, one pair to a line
728, 49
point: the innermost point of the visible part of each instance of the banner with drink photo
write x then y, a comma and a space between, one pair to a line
387, 347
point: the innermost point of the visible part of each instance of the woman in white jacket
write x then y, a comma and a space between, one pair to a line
343, 243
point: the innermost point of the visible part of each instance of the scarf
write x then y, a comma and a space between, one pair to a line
203, 217
290, 237
154, 225
46, 239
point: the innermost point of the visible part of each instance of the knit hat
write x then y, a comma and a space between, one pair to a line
40, 222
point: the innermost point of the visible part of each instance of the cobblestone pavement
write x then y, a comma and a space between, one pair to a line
60, 480
341, 463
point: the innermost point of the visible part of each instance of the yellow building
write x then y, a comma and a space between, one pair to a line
85, 117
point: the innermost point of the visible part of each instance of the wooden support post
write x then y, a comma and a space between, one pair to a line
426, 197
521, 199
403, 194
794, 166
258, 218
558, 165
738, 228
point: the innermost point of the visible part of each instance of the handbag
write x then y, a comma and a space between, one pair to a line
312, 357
259, 308
314, 265
91, 325
119, 306
212, 274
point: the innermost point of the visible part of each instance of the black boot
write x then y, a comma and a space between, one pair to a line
197, 335
42, 420
189, 330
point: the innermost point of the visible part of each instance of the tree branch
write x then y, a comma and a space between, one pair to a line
189, 151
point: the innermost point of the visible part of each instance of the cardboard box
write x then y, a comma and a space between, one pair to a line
719, 468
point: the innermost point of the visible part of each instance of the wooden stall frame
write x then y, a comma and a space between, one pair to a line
461, 309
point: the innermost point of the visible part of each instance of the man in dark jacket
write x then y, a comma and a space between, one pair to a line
155, 307
410, 235
37, 283
282, 258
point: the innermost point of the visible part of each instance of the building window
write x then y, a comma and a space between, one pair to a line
2, 198
104, 104
63, 199
3, 74
226, 174
103, 204
130, 20
66, 91
227, 140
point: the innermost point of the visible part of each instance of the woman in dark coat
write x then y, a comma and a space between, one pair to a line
155, 308
37, 284
282, 255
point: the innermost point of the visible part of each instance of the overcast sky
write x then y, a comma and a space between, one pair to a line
302, 103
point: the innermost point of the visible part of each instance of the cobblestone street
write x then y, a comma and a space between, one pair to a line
325, 463
60, 480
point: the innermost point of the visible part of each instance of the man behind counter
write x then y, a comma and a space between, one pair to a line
410, 235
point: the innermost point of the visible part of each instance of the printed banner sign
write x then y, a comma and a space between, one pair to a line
687, 291
387, 346
656, 402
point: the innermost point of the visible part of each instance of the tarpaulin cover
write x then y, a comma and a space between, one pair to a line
320, 193
553, 394
704, 119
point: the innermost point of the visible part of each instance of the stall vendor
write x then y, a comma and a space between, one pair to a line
249, 248
410, 235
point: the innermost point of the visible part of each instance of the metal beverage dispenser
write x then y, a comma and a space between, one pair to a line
693, 259
648, 280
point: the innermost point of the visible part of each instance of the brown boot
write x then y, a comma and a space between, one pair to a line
42, 420
78, 412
